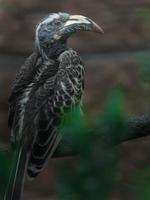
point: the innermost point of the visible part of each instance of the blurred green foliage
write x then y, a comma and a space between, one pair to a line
143, 13
93, 172
140, 179
143, 60
141, 182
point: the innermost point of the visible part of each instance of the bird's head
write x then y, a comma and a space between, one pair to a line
53, 31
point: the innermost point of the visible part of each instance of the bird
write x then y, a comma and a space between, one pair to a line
48, 84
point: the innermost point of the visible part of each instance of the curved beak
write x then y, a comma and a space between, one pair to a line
79, 22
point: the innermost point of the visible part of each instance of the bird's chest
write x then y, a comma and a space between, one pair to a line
76, 80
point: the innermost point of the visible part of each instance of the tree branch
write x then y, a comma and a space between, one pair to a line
136, 127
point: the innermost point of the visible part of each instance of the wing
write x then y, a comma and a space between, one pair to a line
58, 94
23, 78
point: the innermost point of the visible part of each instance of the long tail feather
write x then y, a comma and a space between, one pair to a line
17, 176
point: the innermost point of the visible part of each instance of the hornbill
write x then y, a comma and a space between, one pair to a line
49, 83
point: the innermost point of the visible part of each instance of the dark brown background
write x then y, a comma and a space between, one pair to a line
109, 59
